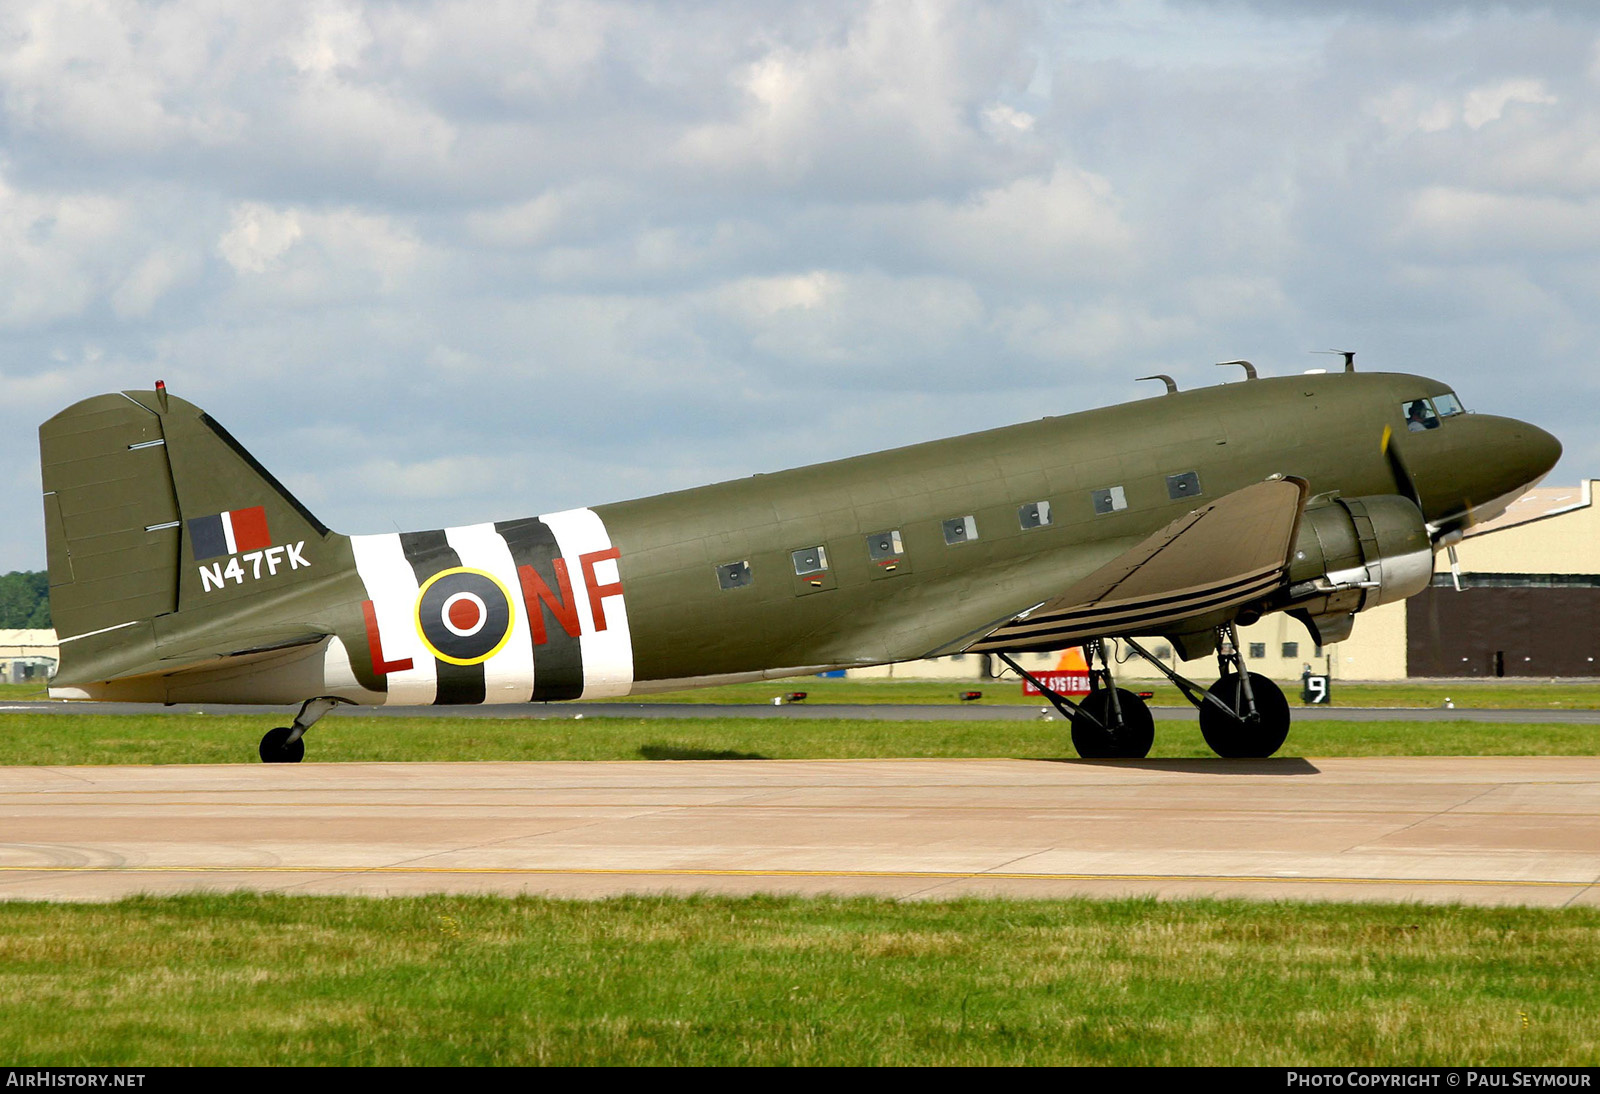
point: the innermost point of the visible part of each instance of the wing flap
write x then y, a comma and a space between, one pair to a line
1222, 555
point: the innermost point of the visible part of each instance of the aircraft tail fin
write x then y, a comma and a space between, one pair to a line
152, 508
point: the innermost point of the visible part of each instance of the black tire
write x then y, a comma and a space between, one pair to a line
1235, 739
274, 751
1131, 740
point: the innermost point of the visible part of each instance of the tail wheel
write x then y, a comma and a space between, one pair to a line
1131, 739
275, 750
1234, 737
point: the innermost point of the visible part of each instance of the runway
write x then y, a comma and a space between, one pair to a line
1481, 830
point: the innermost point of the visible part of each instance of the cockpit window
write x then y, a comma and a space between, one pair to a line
1419, 415
1447, 405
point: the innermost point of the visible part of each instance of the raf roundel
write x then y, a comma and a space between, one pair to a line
463, 615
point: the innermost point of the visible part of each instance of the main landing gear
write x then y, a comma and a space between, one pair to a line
1107, 723
1242, 715
285, 745
1251, 720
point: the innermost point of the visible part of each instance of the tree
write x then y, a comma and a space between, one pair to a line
25, 600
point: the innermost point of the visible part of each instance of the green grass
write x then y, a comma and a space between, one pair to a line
232, 738
23, 692
1483, 694
251, 979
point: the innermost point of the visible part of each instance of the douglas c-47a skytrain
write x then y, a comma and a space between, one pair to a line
182, 571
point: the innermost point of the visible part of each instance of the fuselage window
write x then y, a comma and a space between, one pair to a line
1110, 500
960, 530
1185, 484
734, 575
884, 545
1036, 514
810, 560
1447, 405
1419, 415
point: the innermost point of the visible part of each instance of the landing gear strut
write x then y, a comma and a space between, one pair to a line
1243, 714
284, 745
1251, 717
1110, 722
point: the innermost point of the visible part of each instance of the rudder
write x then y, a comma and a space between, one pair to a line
110, 515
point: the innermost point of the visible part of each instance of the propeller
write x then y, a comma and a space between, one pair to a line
1405, 485
1445, 533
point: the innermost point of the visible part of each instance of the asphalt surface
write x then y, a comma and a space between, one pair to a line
1483, 830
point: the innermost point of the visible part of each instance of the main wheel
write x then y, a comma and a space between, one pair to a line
1132, 739
1236, 738
274, 750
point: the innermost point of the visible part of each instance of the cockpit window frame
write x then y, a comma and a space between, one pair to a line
1440, 405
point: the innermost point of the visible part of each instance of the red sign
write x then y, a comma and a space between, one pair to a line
1063, 683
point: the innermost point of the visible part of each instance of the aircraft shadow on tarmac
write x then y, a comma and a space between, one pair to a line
1284, 765
678, 752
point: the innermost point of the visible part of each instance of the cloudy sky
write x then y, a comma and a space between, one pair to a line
441, 262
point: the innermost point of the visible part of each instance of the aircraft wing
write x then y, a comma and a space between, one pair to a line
1231, 552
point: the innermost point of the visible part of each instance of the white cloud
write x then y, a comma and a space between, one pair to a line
1407, 108
766, 296
1065, 226
259, 236
891, 99
1004, 117
53, 252
1487, 104
396, 482
867, 324
122, 78
310, 255
1468, 222
152, 279
1093, 334
559, 216
334, 36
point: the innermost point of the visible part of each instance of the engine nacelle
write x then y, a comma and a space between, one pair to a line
1353, 554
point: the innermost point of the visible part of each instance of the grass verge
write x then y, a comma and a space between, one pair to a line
251, 979
232, 738
1480, 694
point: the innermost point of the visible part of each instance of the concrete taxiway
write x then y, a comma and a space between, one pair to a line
1483, 830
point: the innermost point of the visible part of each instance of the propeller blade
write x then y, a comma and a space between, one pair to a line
1404, 484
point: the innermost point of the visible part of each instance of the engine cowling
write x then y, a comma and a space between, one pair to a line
1353, 554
